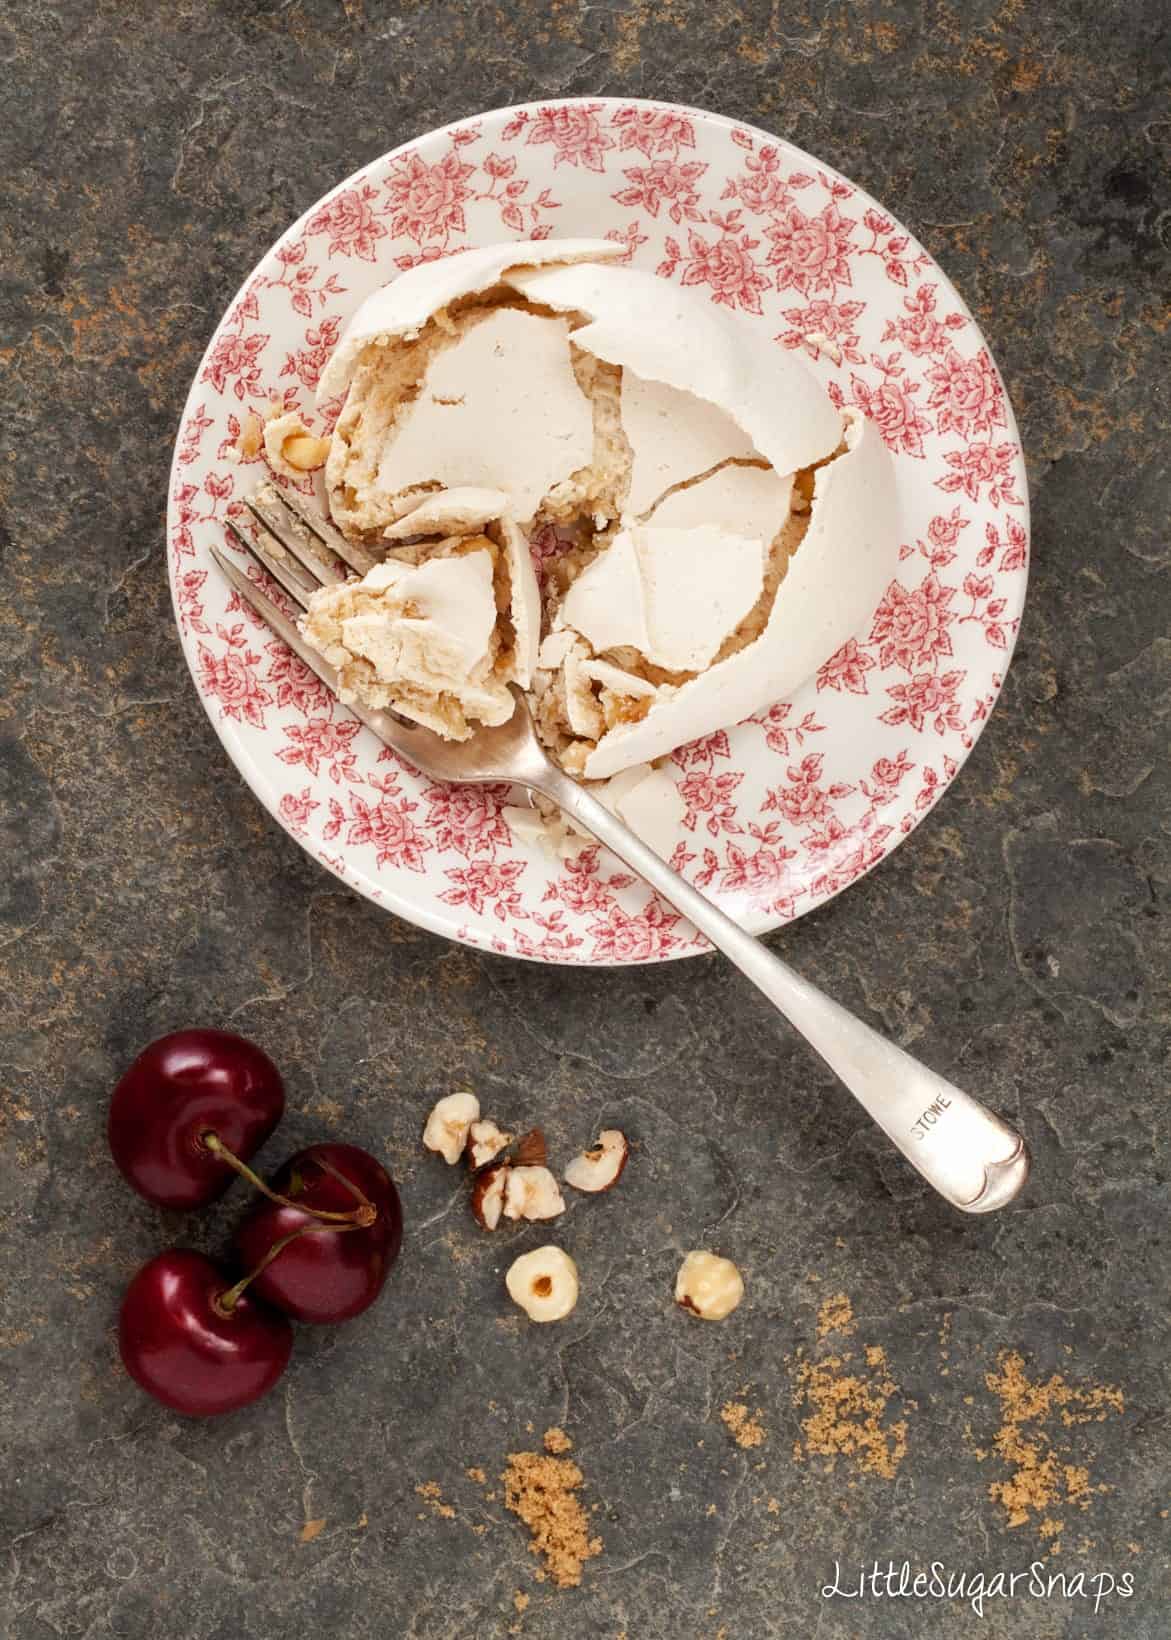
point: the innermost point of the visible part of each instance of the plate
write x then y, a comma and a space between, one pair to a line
783, 811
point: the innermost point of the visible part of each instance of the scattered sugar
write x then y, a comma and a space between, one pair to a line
541, 1489
745, 1431
1040, 1475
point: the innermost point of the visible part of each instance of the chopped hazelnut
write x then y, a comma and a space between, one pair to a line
449, 1123
600, 1167
485, 1142
488, 1195
530, 1149
532, 1193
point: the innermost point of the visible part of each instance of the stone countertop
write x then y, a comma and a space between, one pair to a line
150, 154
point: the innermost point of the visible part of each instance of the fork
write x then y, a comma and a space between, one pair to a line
971, 1156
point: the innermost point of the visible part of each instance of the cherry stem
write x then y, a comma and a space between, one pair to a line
357, 1217
327, 1167
226, 1302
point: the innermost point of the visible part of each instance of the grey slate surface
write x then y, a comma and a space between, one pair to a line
149, 154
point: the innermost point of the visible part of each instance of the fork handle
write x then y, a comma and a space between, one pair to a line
972, 1157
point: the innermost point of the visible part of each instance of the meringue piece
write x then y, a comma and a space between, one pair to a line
581, 707
399, 311
671, 334
673, 436
741, 500
672, 594
499, 408
621, 682
419, 639
832, 585
525, 600
427, 639
648, 801
531, 826
449, 512
645, 799
605, 603
446, 605
555, 648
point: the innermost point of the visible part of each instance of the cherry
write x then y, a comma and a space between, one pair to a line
194, 1342
180, 1090
331, 1270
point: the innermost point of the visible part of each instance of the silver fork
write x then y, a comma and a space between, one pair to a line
973, 1158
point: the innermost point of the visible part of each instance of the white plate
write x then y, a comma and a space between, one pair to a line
784, 810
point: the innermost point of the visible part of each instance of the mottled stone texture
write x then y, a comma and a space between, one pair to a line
149, 154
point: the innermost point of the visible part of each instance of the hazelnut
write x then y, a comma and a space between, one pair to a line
708, 1285
543, 1283
485, 1142
488, 1195
532, 1193
449, 1123
290, 447
600, 1167
304, 452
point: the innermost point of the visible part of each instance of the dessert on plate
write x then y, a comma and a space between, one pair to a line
709, 526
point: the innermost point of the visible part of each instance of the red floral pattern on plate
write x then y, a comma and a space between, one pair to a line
780, 812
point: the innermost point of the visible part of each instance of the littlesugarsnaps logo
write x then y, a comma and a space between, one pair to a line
978, 1589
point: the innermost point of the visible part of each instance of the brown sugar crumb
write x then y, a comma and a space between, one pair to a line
521, 1600
475, 1473
556, 1440
745, 1431
773, 1507
540, 1489
430, 1490
835, 1315
1039, 1475
846, 1403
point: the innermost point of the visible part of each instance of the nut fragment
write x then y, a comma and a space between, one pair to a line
250, 437
530, 1149
485, 1142
708, 1285
544, 1283
304, 452
600, 1167
449, 1123
291, 448
532, 1193
488, 1195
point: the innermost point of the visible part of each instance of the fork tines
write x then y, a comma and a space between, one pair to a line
300, 550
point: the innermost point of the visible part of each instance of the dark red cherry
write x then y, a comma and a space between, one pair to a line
194, 1345
332, 1271
179, 1089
